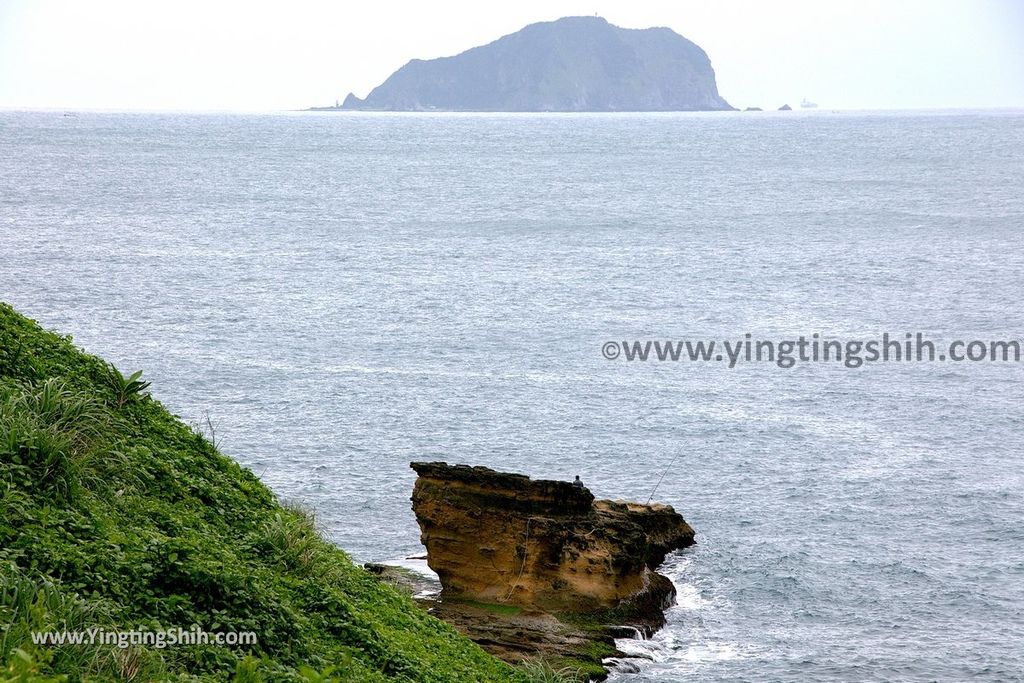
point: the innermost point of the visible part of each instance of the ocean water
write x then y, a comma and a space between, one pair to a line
343, 294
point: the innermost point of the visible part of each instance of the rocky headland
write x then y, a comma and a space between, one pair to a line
539, 567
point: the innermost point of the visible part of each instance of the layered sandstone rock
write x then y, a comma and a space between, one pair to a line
504, 538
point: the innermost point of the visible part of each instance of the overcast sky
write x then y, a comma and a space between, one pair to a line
251, 55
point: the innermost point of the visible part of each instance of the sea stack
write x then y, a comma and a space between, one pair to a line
504, 538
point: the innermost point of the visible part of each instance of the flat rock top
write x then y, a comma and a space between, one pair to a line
519, 487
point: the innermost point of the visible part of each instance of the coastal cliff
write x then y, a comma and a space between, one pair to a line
116, 515
572, 64
545, 553
499, 537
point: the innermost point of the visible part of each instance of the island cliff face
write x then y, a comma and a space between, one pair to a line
505, 538
572, 64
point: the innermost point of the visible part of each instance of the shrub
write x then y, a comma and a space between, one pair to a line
125, 388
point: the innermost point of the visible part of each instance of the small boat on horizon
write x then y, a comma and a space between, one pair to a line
807, 104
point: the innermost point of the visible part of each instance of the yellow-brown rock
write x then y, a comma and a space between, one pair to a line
496, 537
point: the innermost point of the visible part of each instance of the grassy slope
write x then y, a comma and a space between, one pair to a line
115, 514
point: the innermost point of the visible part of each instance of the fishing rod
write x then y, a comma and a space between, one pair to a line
674, 458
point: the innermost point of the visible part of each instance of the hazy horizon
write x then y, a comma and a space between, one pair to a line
114, 55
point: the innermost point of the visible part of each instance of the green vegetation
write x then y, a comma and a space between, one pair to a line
586, 659
504, 610
114, 514
586, 666
542, 672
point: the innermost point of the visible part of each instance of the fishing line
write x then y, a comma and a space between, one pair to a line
662, 477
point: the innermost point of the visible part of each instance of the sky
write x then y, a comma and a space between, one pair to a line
249, 55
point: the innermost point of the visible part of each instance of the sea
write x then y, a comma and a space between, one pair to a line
334, 295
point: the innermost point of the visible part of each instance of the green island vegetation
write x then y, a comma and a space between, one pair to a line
117, 515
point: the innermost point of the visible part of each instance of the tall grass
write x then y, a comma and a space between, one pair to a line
291, 538
539, 671
50, 431
40, 606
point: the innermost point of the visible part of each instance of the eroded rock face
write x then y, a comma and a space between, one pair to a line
505, 538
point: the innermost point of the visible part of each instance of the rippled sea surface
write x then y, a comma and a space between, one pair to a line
343, 294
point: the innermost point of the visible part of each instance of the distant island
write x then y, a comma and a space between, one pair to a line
574, 64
